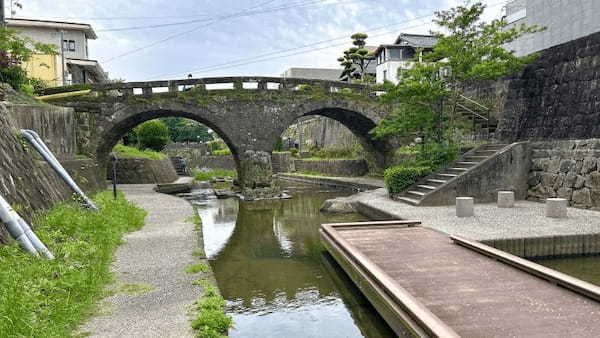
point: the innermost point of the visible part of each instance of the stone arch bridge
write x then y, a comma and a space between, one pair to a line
249, 113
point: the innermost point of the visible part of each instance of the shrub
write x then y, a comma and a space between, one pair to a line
400, 177
152, 135
335, 152
14, 76
222, 152
216, 145
436, 155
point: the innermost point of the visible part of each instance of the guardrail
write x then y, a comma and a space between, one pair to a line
220, 83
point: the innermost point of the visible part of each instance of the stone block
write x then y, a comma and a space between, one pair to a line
566, 193
556, 207
506, 199
548, 180
465, 207
582, 197
568, 245
579, 182
589, 165
566, 166
538, 247
593, 180
570, 180
591, 244
553, 165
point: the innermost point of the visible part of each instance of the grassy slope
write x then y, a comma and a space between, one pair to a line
132, 152
51, 298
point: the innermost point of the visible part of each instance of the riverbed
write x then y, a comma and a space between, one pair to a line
275, 275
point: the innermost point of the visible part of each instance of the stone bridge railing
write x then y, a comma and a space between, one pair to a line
220, 83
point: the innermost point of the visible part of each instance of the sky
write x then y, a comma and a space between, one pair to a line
155, 39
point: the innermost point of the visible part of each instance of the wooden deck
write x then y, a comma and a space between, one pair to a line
438, 286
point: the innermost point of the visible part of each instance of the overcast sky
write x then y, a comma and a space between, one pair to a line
227, 37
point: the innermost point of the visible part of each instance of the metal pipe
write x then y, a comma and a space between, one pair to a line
34, 139
7, 215
33, 238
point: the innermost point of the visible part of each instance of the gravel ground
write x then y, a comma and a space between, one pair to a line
490, 222
154, 257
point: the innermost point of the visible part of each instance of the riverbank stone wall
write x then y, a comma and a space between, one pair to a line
334, 167
143, 171
566, 169
196, 157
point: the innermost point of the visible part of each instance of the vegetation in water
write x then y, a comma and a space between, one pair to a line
207, 175
132, 152
210, 320
51, 298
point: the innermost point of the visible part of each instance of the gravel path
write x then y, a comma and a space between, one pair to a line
490, 222
153, 258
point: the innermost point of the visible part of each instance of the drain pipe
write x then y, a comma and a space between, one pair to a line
33, 238
7, 215
34, 139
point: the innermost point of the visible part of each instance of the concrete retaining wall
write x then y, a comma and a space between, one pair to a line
333, 167
566, 169
144, 171
87, 174
506, 171
282, 162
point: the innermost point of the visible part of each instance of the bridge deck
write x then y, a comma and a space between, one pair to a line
424, 280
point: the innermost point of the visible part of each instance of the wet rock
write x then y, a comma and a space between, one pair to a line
340, 205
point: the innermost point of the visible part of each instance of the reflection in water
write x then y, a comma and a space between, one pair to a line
275, 275
584, 268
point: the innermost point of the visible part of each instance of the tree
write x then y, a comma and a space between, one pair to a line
356, 59
153, 135
16, 50
471, 51
185, 130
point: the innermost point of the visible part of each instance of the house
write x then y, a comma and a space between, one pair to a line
565, 20
72, 65
390, 59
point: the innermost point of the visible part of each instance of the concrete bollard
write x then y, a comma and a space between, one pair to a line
556, 207
506, 199
464, 207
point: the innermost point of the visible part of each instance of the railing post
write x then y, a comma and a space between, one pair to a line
147, 91
126, 91
173, 87
262, 85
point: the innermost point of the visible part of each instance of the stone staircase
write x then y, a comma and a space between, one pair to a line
427, 186
179, 165
481, 117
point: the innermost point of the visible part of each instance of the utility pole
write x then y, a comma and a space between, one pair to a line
62, 56
2, 15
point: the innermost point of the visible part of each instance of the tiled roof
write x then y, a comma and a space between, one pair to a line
416, 40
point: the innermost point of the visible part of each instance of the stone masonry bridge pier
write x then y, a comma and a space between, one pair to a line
249, 113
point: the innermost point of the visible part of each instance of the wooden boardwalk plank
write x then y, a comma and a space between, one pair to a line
473, 294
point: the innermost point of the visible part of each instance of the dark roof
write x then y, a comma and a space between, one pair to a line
416, 40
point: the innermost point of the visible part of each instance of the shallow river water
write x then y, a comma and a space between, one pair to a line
277, 278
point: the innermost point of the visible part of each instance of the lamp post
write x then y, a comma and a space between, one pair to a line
2, 15
114, 159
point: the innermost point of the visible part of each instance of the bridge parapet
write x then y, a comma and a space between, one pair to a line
224, 83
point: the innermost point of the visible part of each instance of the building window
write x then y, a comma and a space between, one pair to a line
69, 45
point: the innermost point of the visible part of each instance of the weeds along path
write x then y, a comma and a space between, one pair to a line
152, 294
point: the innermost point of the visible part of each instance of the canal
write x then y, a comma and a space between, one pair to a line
275, 275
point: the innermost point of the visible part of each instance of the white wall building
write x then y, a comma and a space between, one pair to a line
395, 57
565, 20
73, 37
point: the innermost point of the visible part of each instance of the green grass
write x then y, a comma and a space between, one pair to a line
210, 320
197, 268
51, 298
221, 152
132, 152
199, 253
208, 175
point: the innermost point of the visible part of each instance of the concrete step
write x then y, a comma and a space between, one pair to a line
447, 175
416, 193
458, 169
476, 157
408, 200
436, 181
427, 187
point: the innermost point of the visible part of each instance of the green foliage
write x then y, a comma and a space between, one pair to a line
52, 298
200, 175
65, 89
472, 51
222, 152
185, 130
335, 152
216, 145
14, 51
355, 59
435, 155
210, 320
153, 135
400, 177
197, 268
132, 152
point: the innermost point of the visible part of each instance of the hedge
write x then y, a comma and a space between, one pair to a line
399, 178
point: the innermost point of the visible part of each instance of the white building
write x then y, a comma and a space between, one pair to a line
392, 58
565, 20
73, 60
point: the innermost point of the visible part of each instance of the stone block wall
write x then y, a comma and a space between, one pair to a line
566, 169
333, 167
56, 126
144, 171
196, 156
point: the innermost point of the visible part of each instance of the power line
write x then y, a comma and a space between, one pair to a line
173, 36
301, 4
